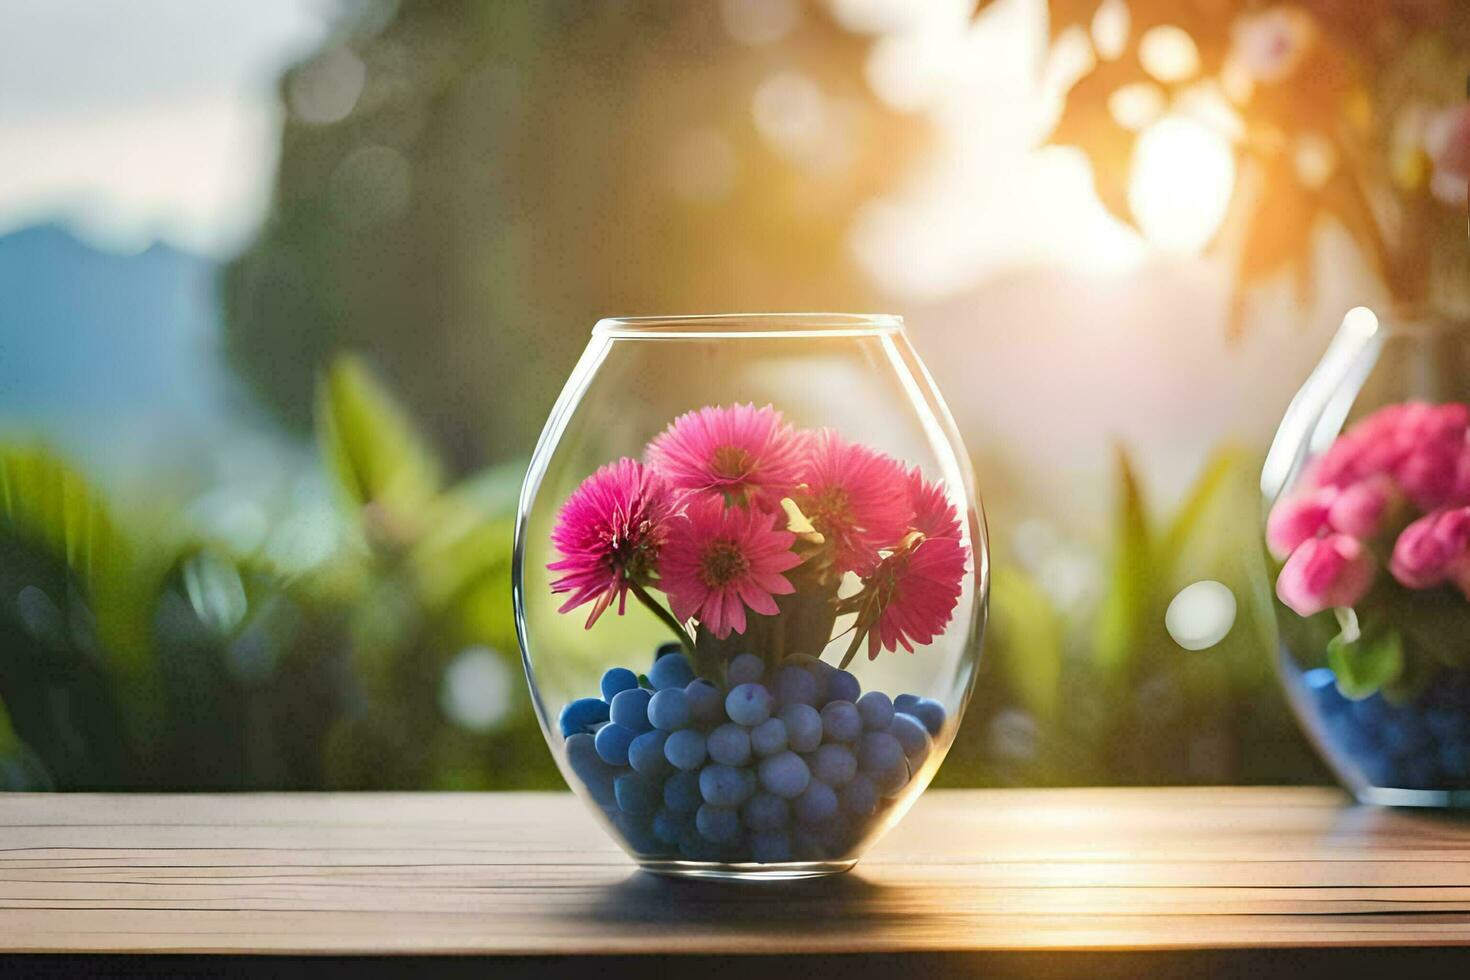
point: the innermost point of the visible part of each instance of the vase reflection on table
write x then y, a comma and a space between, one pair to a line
750, 587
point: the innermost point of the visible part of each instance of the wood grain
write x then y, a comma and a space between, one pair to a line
532, 874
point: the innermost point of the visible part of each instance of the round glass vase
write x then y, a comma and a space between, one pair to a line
768, 587
1368, 460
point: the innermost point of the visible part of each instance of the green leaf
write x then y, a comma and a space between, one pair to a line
1204, 501
1131, 579
47, 505
1029, 635
1365, 665
372, 448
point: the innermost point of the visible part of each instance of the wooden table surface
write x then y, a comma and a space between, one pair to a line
532, 875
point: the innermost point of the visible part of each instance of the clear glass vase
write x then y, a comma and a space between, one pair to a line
1368, 544
750, 587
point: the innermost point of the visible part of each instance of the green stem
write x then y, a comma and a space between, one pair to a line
851, 650
666, 617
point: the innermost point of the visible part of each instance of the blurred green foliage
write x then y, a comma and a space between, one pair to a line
1098, 694
136, 659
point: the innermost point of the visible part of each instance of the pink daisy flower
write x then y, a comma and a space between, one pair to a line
718, 560
856, 498
934, 515
912, 594
742, 452
609, 533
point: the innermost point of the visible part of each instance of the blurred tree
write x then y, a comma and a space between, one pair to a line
465, 188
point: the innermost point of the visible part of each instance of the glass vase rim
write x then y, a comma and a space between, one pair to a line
733, 326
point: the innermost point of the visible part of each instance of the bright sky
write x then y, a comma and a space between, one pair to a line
140, 119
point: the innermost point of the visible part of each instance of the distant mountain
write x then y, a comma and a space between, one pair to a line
114, 358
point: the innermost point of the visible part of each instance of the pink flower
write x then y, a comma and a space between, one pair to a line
934, 515
609, 533
1418, 444
1358, 510
742, 452
1433, 549
1297, 519
1373, 446
911, 595
855, 497
1447, 142
719, 559
1325, 572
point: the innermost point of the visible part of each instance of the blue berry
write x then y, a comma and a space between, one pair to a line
765, 811
706, 702
905, 703
667, 649
681, 792
646, 754
889, 781
931, 713
795, 685
723, 785
637, 832
617, 680
784, 775
630, 709
612, 744
745, 669
876, 710
582, 714
859, 797
670, 671
770, 846
843, 686
729, 744
913, 736
669, 825
879, 752
719, 824
769, 737
637, 794
821, 672
669, 710
694, 847
841, 721
595, 774
833, 764
686, 749
803, 727
817, 803
748, 704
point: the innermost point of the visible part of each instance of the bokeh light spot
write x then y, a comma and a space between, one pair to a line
1201, 615
1180, 187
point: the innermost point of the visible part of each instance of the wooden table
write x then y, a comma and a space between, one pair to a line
1010, 879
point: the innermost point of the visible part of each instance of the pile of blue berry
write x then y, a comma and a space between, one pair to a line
794, 766
1421, 744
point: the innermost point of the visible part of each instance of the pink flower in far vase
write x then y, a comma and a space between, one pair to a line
934, 515
1297, 519
856, 498
1359, 510
609, 533
912, 595
1447, 142
1433, 549
1335, 570
719, 560
742, 453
